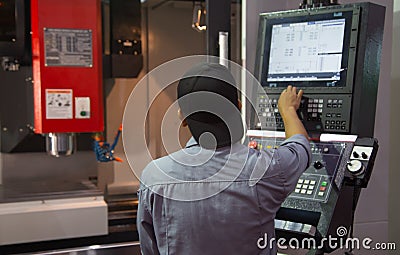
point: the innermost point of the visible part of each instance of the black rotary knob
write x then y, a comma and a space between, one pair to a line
318, 165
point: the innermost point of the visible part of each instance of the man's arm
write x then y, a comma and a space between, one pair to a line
288, 103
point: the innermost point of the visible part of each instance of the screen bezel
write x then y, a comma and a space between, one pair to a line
348, 56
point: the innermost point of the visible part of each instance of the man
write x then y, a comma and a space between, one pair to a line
200, 200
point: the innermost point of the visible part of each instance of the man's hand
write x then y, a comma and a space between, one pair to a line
288, 104
289, 100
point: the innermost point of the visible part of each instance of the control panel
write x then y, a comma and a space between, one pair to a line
321, 113
316, 182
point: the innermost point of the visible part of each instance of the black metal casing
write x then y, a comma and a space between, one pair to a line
361, 62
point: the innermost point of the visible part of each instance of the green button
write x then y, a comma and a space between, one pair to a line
83, 113
324, 184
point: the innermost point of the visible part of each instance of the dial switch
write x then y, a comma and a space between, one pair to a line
355, 167
318, 165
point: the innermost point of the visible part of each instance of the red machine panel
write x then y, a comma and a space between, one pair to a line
67, 66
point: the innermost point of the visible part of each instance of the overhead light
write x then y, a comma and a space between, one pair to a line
199, 17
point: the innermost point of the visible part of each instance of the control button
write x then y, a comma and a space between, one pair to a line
332, 127
306, 181
326, 150
322, 188
337, 127
340, 101
300, 181
318, 165
309, 192
338, 122
364, 155
311, 187
321, 101
311, 100
335, 101
324, 183
305, 186
298, 186
343, 127
253, 144
327, 122
329, 101
297, 190
355, 154
338, 115
328, 115
303, 191
320, 110
326, 126
320, 193
334, 105
329, 105
312, 182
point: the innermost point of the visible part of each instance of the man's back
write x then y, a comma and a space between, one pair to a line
198, 201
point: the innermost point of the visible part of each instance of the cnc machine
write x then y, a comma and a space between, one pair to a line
333, 54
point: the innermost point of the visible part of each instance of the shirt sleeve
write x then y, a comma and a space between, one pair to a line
147, 237
293, 157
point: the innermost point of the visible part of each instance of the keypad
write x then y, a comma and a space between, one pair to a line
326, 113
268, 108
314, 187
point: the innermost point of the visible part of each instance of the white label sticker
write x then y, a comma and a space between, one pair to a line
58, 103
82, 107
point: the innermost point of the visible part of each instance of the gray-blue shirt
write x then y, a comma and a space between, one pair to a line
198, 201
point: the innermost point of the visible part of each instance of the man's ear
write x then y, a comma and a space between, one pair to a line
184, 123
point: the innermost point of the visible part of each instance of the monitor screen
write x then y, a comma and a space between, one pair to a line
8, 31
306, 51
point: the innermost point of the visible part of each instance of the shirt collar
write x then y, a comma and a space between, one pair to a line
191, 142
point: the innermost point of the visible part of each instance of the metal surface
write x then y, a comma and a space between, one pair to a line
67, 66
50, 211
60, 144
120, 249
42, 190
218, 19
